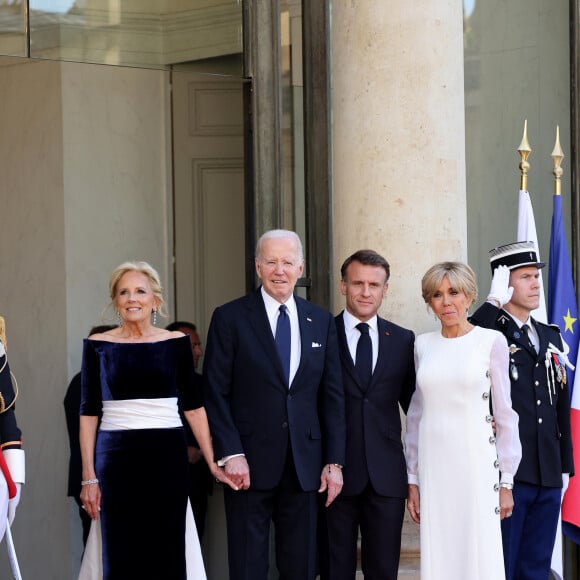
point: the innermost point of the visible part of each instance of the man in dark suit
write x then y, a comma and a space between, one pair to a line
275, 403
540, 396
376, 383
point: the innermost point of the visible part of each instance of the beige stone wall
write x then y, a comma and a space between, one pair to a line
85, 185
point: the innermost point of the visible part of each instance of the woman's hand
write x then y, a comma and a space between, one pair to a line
220, 475
414, 503
91, 499
506, 502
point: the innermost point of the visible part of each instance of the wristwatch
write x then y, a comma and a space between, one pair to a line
509, 486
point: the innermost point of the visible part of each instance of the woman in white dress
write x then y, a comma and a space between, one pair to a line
460, 473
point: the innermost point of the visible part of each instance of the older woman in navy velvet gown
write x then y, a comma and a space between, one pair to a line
135, 465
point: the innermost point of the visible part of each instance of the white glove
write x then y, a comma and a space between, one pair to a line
13, 503
500, 291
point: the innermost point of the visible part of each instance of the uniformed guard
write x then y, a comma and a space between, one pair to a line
11, 452
540, 396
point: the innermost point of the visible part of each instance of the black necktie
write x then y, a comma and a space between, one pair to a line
282, 339
525, 332
364, 354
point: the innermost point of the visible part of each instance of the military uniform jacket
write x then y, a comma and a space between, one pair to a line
539, 396
10, 435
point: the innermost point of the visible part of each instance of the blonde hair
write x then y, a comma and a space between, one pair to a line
3, 331
460, 276
144, 268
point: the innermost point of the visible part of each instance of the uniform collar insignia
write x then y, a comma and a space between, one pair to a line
503, 320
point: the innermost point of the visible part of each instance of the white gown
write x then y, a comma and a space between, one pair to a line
452, 453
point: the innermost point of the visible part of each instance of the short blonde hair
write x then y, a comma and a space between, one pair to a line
143, 268
460, 276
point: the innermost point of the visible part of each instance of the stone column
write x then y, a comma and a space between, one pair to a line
398, 141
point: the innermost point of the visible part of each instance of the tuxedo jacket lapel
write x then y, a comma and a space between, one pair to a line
384, 354
307, 338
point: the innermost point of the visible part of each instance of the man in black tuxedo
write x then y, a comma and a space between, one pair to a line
540, 396
275, 403
378, 378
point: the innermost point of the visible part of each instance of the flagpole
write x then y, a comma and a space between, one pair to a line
558, 552
557, 156
524, 150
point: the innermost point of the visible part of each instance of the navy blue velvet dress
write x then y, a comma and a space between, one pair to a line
142, 472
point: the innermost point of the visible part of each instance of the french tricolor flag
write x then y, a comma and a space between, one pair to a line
563, 311
571, 503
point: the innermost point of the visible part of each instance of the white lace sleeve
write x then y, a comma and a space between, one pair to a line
412, 434
509, 449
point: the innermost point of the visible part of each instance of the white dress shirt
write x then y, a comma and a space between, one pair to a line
353, 334
532, 332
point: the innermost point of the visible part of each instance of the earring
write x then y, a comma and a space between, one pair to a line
119, 319
154, 316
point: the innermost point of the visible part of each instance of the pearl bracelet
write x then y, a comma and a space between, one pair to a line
89, 481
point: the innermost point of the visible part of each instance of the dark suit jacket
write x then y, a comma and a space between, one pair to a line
544, 425
374, 449
248, 403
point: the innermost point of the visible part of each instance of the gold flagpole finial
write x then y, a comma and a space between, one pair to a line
557, 156
524, 150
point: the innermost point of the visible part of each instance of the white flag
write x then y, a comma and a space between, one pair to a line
527, 233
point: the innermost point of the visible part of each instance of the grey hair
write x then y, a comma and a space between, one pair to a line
278, 234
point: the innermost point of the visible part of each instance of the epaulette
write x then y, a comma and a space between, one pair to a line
547, 325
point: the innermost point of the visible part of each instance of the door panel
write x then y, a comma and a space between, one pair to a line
209, 195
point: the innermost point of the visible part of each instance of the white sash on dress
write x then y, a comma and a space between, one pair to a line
128, 414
